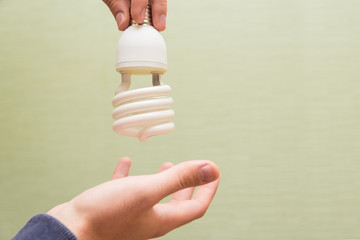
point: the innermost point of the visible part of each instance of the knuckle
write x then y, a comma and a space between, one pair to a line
185, 181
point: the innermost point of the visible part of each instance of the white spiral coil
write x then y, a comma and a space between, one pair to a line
142, 112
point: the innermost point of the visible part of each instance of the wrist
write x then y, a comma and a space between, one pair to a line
73, 220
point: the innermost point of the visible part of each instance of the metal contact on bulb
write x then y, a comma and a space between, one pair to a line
148, 17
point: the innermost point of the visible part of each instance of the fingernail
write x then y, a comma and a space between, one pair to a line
119, 19
207, 174
162, 20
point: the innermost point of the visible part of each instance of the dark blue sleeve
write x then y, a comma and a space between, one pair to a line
44, 227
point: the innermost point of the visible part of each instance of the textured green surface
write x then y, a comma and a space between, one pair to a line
269, 90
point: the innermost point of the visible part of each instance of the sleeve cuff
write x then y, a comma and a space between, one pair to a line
44, 227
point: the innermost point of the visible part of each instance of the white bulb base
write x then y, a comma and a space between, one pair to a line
141, 50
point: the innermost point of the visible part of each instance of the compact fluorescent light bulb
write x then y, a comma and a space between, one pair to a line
142, 112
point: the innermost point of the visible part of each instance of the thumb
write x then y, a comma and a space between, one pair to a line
184, 175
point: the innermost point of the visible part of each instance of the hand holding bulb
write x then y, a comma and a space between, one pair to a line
121, 9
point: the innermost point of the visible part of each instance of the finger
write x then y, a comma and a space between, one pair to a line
184, 175
165, 166
137, 10
121, 12
206, 193
122, 168
184, 194
188, 211
159, 10
176, 214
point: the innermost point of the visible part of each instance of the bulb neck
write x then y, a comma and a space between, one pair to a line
148, 17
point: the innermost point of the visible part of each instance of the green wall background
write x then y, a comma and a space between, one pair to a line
269, 90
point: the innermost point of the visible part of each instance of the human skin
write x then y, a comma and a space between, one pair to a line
121, 9
128, 207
